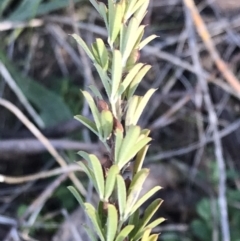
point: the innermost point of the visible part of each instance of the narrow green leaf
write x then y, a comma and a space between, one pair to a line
89, 124
141, 12
155, 223
97, 171
127, 144
115, 15
149, 212
132, 106
107, 123
124, 233
102, 53
110, 181
134, 218
92, 214
142, 105
122, 195
137, 79
93, 107
144, 198
133, 38
129, 78
89, 172
83, 45
104, 78
95, 91
118, 143
129, 40
116, 72
153, 237
95, 4
112, 222
137, 5
76, 195
123, 32
95, 53
146, 41
129, 7
138, 162
146, 234
103, 12
130, 153
134, 190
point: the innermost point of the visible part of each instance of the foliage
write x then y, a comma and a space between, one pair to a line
207, 222
115, 117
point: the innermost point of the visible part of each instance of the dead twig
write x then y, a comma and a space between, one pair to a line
8, 105
206, 37
39, 175
213, 119
12, 148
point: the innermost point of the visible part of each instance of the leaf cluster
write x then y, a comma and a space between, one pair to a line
115, 122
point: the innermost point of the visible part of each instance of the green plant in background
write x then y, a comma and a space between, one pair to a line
207, 224
115, 117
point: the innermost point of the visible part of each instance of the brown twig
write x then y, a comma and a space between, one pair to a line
12, 148
8, 105
40, 175
204, 34
213, 119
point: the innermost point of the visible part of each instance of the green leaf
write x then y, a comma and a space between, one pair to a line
97, 171
118, 143
134, 150
153, 237
129, 78
124, 233
93, 215
112, 222
76, 195
95, 112
137, 5
127, 143
102, 53
103, 12
144, 198
95, 4
138, 162
129, 7
107, 123
50, 105
89, 124
116, 73
104, 78
122, 195
128, 40
141, 12
149, 212
25, 6
115, 15
110, 181
146, 234
137, 79
134, 190
83, 45
146, 41
141, 105
132, 106
155, 223
95, 91
134, 218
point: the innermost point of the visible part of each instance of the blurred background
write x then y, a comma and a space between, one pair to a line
41, 72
